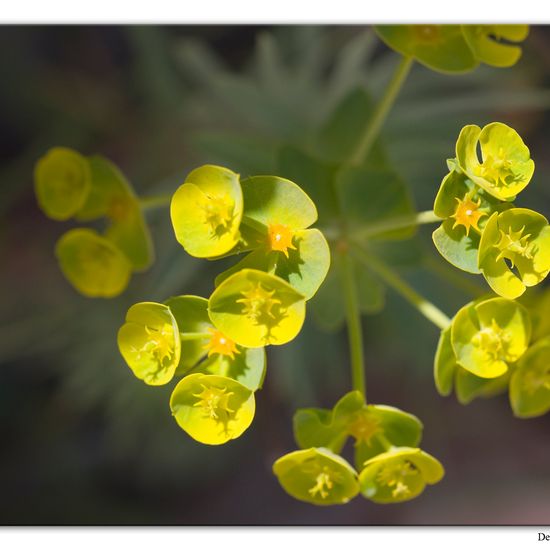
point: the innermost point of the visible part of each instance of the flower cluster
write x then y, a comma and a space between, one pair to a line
69, 185
217, 345
456, 48
482, 230
494, 345
389, 465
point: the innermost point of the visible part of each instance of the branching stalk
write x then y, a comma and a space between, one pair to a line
155, 201
399, 222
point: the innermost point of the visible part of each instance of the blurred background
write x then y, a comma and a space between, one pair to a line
82, 441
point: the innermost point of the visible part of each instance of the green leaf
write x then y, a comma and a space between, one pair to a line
149, 341
92, 264
206, 211
438, 47
530, 383
317, 476
398, 475
255, 309
62, 183
212, 409
444, 364
270, 200
457, 247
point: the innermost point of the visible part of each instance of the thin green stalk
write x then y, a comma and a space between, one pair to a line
429, 310
353, 318
399, 222
381, 112
155, 201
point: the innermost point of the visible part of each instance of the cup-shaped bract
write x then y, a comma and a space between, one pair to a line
506, 167
496, 44
514, 251
398, 475
464, 208
439, 47
206, 211
62, 181
371, 427
317, 476
92, 264
149, 341
212, 409
256, 309
487, 336
206, 349
530, 383
278, 214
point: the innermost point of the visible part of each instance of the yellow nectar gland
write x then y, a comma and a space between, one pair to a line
160, 345
395, 476
496, 169
323, 484
221, 344
214, 402
218, 213
364, 427
258, 303
494, 341
467, 214
280, 238
512, 245
427, 34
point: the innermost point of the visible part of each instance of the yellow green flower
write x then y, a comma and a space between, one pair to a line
277, 215
212, 409
505, 168
514, 251
206, 349
317, 476
206, 211
93, 264
399, 474
496, 45
487, 336
62, 183
149, 341
255, 309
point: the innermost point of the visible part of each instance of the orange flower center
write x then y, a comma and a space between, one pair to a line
280, 238
221, 344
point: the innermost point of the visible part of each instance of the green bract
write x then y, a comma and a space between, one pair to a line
399, 474
317, 476
92, 263
254, 309
487, 336
277, 214
62, 182
468, 386
506, 167
371, 426
492, 44
518, 238
439, 47
530, 383
206, 349
149, 341
212, 409
206, 211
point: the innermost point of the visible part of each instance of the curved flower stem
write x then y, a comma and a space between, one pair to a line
155, 201
399, 222
353, 319
429, 310
381, 112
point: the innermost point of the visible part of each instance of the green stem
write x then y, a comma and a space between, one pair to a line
353, 318
156, 201
429, 310
384, 441
399, 222
189, 336
381, 112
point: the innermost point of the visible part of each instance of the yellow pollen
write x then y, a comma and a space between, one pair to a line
218, 213
161, 343
493, 340
497, 170
280, 238
394, 476
258, 303
364, 427
214, 402
323, 484
221, 344
512, 245
467, 214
